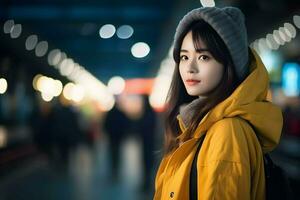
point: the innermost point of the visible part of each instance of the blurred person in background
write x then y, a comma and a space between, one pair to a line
116, 125
56, 131
41, 122
146, 128
66, 132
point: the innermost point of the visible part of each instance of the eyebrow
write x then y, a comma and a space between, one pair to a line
197, 50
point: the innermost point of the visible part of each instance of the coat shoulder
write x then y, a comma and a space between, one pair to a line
230, 127
227, 140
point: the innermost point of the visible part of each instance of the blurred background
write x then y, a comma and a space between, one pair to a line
83, 85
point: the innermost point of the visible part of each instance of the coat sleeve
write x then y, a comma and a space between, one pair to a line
227, 166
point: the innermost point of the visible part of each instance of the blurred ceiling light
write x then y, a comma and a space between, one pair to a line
109, 104
116, 85
16, 31
277, 37
78, 93
74, 92
54, 57
296, 20
76, 72
47, 85
62, 64
287, 31
255, 45
35, 80
162, 83
103, 98
31, 42
62, 56
57, 88
50, 87
207, 3
273, 41
140, 49
262, 44
46, 97
272, 44
158, 97
124, 32
67, 91
283, 35
41, 82
107, 31
8, 25
66, 67
41, 48
3, 85
290, 30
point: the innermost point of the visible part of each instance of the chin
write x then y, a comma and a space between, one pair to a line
197, 93
192, 93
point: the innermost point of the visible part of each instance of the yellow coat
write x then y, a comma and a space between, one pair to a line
230, 162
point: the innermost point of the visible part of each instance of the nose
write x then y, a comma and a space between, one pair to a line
192, 67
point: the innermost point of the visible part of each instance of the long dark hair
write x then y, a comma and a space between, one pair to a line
177, 95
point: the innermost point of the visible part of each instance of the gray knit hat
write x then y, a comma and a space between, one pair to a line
229, 23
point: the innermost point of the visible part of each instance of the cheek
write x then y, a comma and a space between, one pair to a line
181, 72
213, 75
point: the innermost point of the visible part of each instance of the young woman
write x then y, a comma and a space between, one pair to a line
218, 96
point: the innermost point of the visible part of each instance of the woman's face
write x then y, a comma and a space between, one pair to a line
198, 69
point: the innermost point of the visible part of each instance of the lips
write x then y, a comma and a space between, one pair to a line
191, 82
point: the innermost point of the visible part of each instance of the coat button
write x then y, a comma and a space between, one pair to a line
171, 194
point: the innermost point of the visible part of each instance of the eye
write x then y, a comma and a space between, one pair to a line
183, 57
203, 57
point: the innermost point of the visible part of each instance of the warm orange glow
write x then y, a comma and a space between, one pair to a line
159, 109
139, 86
